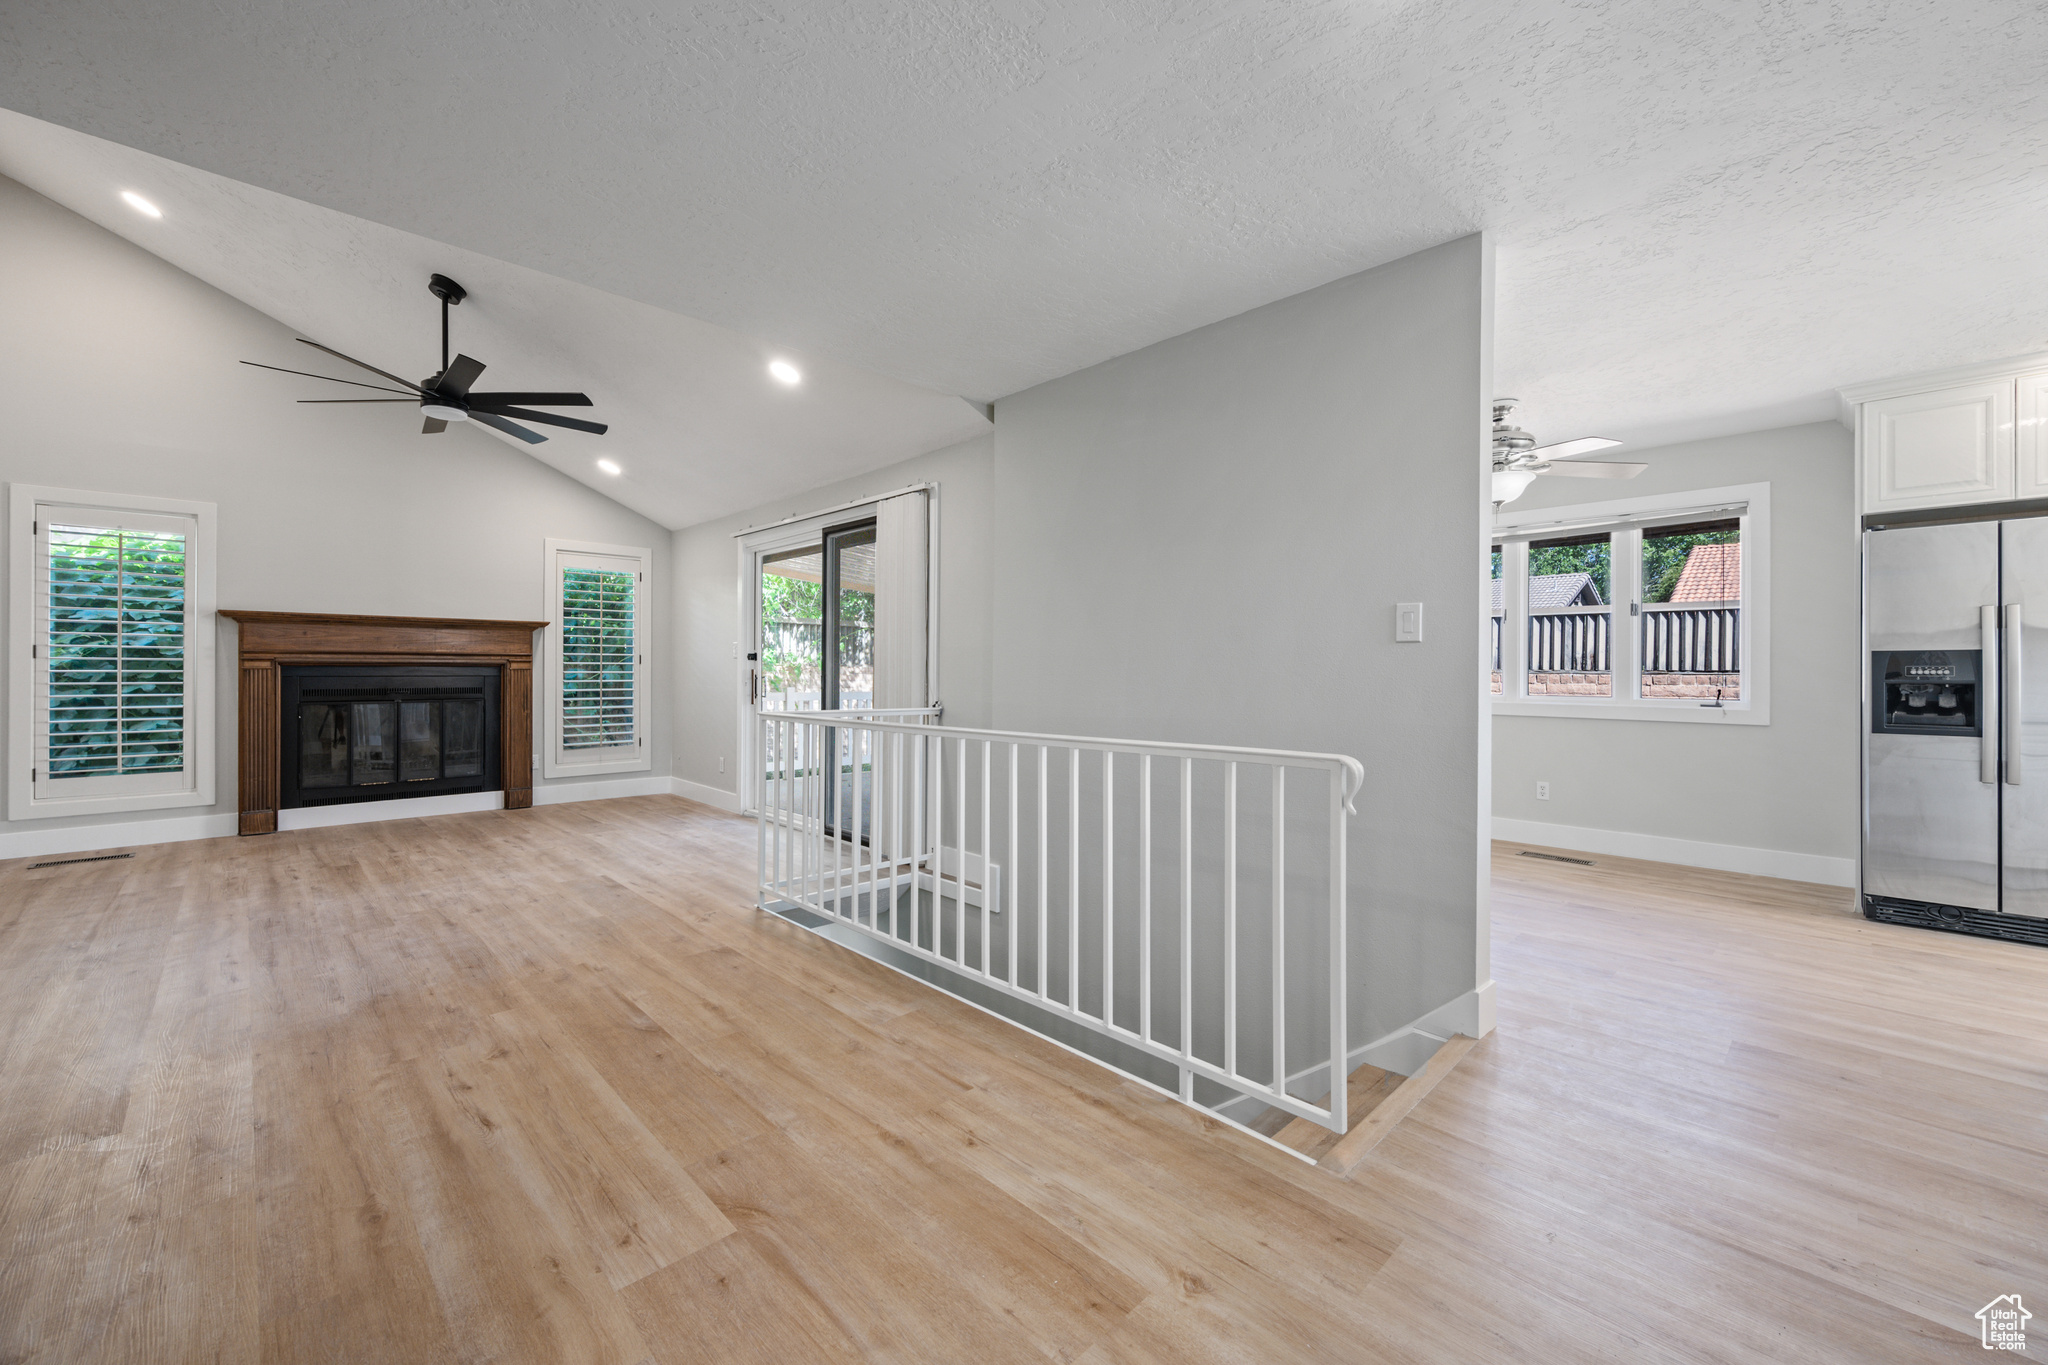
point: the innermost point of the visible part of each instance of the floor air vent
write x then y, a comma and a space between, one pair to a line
97, 858
1555, 858
1956, 919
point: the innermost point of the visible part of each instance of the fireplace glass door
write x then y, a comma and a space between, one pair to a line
368, 733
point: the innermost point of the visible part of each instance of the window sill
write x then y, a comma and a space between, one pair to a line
640, 762
58, 807
1684, 713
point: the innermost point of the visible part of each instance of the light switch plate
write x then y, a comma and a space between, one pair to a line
1408, 623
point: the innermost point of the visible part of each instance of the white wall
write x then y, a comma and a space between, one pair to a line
121, 377
1204, 541
1787, 788
707, 605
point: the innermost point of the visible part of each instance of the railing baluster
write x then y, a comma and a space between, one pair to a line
988, 858
1279, 928
1109, 886
935, 756
855, 739
1044, 888
1014, 873
760, 811
896, 838
960, 867
1187, 922
1074, 880
1340, 1044
1230, 917
1145, 897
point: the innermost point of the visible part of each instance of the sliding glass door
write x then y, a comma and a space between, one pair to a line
815, 648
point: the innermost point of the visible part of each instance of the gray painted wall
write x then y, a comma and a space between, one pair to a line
707, 620
1204, 541
121, 377
1790, 785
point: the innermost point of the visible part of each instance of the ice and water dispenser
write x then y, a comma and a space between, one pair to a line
1925, 692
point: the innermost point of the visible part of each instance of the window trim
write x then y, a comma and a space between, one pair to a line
1750, 503
554, 761
24, 798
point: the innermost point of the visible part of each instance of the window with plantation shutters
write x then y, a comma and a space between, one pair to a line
117, 692
597, 675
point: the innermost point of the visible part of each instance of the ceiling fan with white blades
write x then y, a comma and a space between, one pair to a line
447, 396
1518, 461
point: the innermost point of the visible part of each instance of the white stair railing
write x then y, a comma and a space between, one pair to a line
1185, 900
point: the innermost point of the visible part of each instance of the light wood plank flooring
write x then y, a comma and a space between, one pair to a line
537, 1086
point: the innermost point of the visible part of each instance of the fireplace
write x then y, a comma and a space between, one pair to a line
380, 707
379, 732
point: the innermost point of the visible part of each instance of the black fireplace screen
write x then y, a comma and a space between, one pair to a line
371, 733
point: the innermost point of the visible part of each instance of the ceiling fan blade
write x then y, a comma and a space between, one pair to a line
544, 400
361, 366
434, 426
328, 377
1570, 450
532, 438
414, 401
1596, 469
548, 418
460, 374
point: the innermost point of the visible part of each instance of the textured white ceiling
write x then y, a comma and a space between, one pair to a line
1707, 214
697, 425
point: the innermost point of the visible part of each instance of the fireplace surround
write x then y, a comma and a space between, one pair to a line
411, 663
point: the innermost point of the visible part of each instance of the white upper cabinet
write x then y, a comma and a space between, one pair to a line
1976, 434
2032, 436
1939, 449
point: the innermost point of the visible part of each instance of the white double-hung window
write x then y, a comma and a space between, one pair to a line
1651, 608
111, 653
596, 679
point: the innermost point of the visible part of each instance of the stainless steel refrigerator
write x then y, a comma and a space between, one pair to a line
1955, 733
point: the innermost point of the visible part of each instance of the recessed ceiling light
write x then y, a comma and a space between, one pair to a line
786, 372
608, 466
141, 205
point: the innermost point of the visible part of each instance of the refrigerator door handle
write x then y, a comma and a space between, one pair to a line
1989, 710
2013, 694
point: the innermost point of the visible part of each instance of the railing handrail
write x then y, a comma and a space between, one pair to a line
1576, 609
1352, 771
1727, 604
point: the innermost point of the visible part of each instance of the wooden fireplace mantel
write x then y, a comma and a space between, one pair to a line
272, 639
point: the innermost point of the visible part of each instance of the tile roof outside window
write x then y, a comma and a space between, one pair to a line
1548, 591
1712, 573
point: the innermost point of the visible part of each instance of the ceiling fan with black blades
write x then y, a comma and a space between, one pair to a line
1518, 461
448, 397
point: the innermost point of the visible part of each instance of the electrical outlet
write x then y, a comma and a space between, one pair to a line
1542, 791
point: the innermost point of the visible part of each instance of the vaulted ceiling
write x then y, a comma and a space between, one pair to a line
1708, 214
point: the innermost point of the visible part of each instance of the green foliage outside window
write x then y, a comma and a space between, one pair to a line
1664, 558
116, 652
598, 660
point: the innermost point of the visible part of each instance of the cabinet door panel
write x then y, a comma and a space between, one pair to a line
2032, 436
1939, 449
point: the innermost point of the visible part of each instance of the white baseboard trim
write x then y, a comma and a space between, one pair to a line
41, 843
1656, 848
1404, 1051
560, 793
710, 796
370, 812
